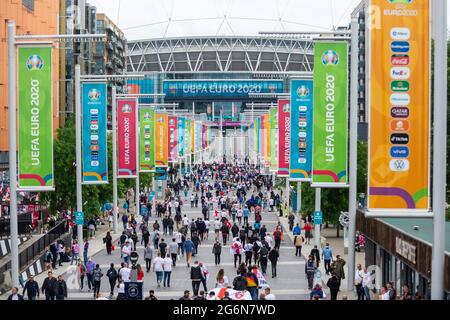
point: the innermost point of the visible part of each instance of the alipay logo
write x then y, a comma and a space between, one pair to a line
35, 63
94, 95
330, 58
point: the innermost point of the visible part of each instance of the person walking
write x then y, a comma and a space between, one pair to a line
31, 287
97, 278
273, 257
263, 258
338, 267
48, 286
221, 279
173, 250
236, 248
60, 288
148, 256
277, 236
359, 278
15, 295
327, 255
196, 277
298, 242
158, 268
316, 255
333, 283
162, 248
75, 252
167, 266
252, 283
217, 251
90, 266
310, 270
112, 277
108, 243
188, 247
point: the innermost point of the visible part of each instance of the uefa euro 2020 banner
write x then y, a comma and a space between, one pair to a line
181, 136
301, 129
173, 138
127, 138
147, 140
284, 137
273, 122
35, 118
399, 116
161, 140
330, 114
95, 152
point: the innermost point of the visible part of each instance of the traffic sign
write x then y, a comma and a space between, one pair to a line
133, 290
79, 217
318, 217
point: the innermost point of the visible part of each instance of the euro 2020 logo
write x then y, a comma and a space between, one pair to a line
35, 63
302, 92
330, 58
94, 95
126, 108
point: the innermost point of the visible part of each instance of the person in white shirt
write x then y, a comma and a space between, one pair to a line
167, 266
384, 293
125, 273
269, 240
217, 226
158, 267
221, 279
121, 290
365, 283
126, 251
207, 223
268, 295
359, 276
185, 221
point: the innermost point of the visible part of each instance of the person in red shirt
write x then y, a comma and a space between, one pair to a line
140, 273
277, 236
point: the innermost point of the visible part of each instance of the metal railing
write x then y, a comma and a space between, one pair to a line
30, 253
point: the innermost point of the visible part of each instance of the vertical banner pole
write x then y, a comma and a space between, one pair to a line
353, 153
439, 147
12, 103
299, 198
317, 226
78, 155
114, 159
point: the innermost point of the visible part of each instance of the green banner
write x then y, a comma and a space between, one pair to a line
147, 140
330, 114
35, 118
273, 122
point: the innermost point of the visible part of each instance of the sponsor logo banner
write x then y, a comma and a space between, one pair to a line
330, 113
284, 137
161, 140
95, 154
127, 138
35, 118
399, 106
181, 136
147, 140
302, 93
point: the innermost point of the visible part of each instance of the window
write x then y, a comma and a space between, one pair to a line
29, 4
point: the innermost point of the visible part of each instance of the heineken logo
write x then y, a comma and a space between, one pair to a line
400, 86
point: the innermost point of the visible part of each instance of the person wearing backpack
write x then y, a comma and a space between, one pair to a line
310, 270
263, 258
112, 276
97, 278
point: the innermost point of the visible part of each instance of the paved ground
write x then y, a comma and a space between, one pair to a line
290, 284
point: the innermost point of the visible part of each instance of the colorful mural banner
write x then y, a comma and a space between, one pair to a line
330, 114
301, 129
127, 160
258, 137
161, 140
94, 137
35, 118
273, 122
399, 113
192, 126
266, 141
146, 139
284, 137
173, 138
181, 136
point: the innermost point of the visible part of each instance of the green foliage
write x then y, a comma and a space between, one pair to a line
362, 167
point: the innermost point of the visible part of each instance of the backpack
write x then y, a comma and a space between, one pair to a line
263, 252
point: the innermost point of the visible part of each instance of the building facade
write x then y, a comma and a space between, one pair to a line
31, 17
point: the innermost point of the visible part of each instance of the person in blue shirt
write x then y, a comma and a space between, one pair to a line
124, 221
297, 230
327, 255
188, 246
245, 214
